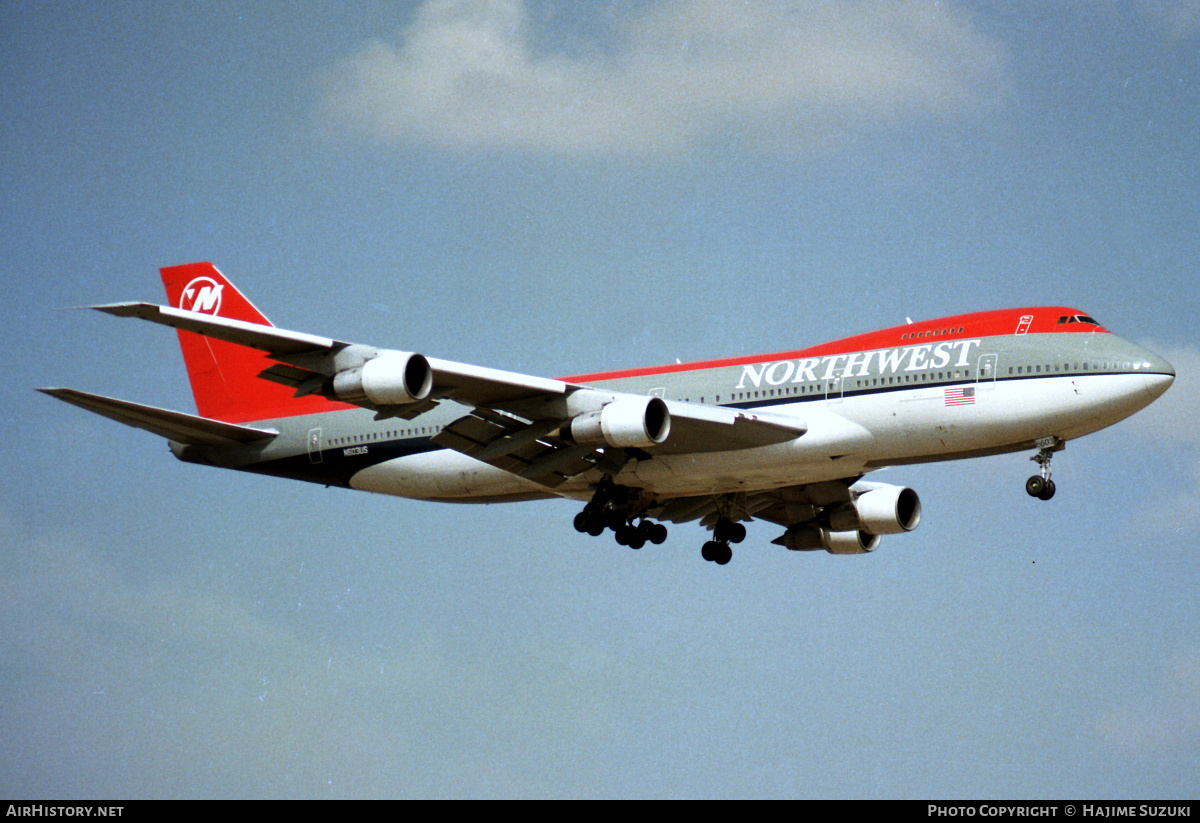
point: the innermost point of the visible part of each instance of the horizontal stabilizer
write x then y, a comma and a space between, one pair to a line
182, 428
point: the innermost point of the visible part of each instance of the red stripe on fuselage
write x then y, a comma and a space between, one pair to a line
1044, 320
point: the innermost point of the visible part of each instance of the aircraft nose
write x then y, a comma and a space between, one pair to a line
1157, 384
1159, 376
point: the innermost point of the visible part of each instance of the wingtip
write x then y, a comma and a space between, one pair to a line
121, 309
59, 392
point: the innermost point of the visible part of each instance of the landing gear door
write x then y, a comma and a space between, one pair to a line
985, 380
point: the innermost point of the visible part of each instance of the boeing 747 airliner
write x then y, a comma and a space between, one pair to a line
787, 438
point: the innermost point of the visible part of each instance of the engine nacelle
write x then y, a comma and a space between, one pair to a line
626, 423
394, 378
883, 509
807, 537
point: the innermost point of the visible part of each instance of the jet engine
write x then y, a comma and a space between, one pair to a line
627, 423
807, 537
854, 527
393, 378
880, 509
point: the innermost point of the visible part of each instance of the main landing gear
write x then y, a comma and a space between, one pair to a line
724, 532
623, 510
616, 507
1040, 485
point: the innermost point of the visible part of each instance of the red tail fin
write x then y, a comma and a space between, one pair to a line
224, 376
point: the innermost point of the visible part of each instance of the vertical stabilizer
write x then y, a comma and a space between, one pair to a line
224, 376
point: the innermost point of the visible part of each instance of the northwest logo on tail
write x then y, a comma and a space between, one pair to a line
203, 294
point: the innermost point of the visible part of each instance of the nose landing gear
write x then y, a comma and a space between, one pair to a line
1040, 485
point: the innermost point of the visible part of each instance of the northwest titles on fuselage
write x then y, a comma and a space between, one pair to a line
924, 357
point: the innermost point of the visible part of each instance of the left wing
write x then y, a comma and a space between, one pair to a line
844, 516
312, 356
542, 429
182, 428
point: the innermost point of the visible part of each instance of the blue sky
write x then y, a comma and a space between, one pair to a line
558, 188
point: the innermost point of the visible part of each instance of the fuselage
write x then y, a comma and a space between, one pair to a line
962, 386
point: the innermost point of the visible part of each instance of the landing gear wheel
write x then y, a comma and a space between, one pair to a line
1040, 485
638, 535
590, 522
658, 534
729, 531
718, 553
641, 534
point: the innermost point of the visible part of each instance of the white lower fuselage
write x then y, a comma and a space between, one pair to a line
851, 429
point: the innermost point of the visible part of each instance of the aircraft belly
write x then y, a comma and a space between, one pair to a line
834, 447
687, 474
442, 475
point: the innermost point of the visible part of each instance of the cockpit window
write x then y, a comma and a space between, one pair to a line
1077, 318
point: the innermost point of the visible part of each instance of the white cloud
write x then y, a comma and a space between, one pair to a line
774, 76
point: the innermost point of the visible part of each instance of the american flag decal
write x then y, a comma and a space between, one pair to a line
960, 396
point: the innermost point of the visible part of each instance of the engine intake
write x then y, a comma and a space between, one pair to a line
626, 423
391, 379
882, 509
